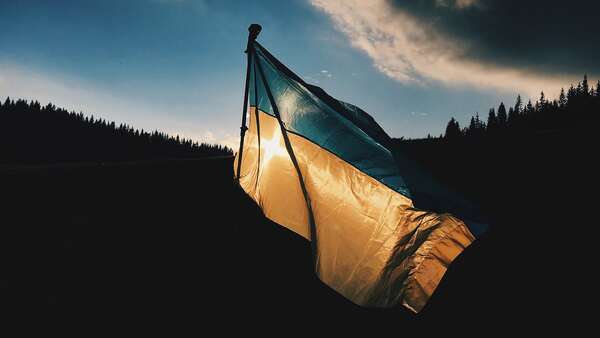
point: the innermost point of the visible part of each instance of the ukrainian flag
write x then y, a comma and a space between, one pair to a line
320, 167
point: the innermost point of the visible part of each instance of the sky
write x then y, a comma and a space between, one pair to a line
178, 65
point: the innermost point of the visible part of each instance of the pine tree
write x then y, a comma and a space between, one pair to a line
502, 117
542, 100
528, 113
512, 117
472, 127
562, 99
518, 104
585, 89
453, 131
571, 94
529, 107
480, 125
492, 123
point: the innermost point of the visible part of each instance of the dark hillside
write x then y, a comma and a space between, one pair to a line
178, 243
167, 241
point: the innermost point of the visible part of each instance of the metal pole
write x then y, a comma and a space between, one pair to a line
257, 119
253, 32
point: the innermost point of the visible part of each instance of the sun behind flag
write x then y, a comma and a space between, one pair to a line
320, 167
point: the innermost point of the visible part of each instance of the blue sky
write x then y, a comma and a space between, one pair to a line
178, 65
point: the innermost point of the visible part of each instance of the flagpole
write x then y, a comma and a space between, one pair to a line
253, 32
256, 118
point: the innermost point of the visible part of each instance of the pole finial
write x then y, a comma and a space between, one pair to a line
254, 30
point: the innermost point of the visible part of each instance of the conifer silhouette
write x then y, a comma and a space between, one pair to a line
578, 107
30, 133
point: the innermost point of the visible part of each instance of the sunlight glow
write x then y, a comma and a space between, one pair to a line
272, 147
288, 104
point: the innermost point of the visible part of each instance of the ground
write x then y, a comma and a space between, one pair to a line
177, 243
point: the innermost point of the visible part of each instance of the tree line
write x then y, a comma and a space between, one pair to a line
578, 107
32, 133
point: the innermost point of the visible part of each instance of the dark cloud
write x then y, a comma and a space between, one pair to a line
554, 37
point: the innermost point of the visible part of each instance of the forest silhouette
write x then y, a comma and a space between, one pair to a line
575, 108
31, 133
522, 150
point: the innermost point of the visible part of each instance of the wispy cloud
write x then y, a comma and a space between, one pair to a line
222, 138
411, 51
466, 3
232, 141
326, 73
459, 4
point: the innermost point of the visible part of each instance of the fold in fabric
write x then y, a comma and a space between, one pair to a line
374, 247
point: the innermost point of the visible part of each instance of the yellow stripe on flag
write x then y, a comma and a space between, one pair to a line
374, 247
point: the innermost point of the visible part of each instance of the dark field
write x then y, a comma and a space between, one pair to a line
176, 244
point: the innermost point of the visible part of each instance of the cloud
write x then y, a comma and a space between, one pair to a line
325, 73
209, 136
214, 136
408, 44
458, 4
466, 3
231, 141
222, 138
547, 36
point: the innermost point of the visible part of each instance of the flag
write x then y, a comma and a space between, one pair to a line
322, 168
